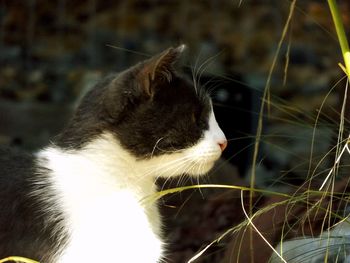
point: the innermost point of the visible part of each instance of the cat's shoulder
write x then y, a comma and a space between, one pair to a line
14, 157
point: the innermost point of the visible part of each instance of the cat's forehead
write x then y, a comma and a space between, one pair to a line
183, 91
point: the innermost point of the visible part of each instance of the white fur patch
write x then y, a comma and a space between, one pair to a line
100, 194
101, 186
196, 160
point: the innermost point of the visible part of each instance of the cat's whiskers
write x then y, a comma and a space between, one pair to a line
159, 166
172, 176
169, 151
192, 166
197, 72
182, 180
155, 146
165, 183
163, 151
169, 167
173, 166
199, 165
183, 177
194, 75
165, 167
182, 166
90, 181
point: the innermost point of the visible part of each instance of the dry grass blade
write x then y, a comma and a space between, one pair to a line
250, 222
266, 96
339, 27
18, 259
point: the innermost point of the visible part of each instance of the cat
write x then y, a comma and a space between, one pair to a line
80, 198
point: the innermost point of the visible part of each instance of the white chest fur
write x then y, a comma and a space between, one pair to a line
100, 194
101, 188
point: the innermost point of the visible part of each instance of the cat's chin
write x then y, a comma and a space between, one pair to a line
196, 161
201, 169
204, 162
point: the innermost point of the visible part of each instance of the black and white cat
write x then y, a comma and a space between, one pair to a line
78, 200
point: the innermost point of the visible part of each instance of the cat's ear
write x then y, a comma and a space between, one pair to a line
158, 69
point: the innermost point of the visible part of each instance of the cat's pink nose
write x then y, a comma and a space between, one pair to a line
223, 145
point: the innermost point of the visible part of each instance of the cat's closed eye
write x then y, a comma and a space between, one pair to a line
197, 116
193, 117
87, 186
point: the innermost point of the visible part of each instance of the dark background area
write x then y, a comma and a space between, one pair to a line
51, 52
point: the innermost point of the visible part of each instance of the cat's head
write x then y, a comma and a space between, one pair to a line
155, 114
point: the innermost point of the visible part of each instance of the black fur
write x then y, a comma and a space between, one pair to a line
141, 112
145, 105
24, 226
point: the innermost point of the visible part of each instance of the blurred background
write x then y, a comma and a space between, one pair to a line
51, 52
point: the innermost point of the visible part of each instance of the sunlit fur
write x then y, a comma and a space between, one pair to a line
82, 198
101, 188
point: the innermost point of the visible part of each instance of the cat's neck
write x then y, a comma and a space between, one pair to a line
102, 189
102, 165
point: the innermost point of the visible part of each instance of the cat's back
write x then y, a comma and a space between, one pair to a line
25, 228
15, 163
19, 173
17, 170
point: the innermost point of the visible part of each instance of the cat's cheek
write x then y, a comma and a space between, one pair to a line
199, 169
202, 157
208, 150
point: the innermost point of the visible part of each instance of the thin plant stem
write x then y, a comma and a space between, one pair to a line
339, 27
18, 259
266, 97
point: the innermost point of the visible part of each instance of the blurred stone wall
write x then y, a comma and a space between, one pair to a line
54, 44
50, 51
